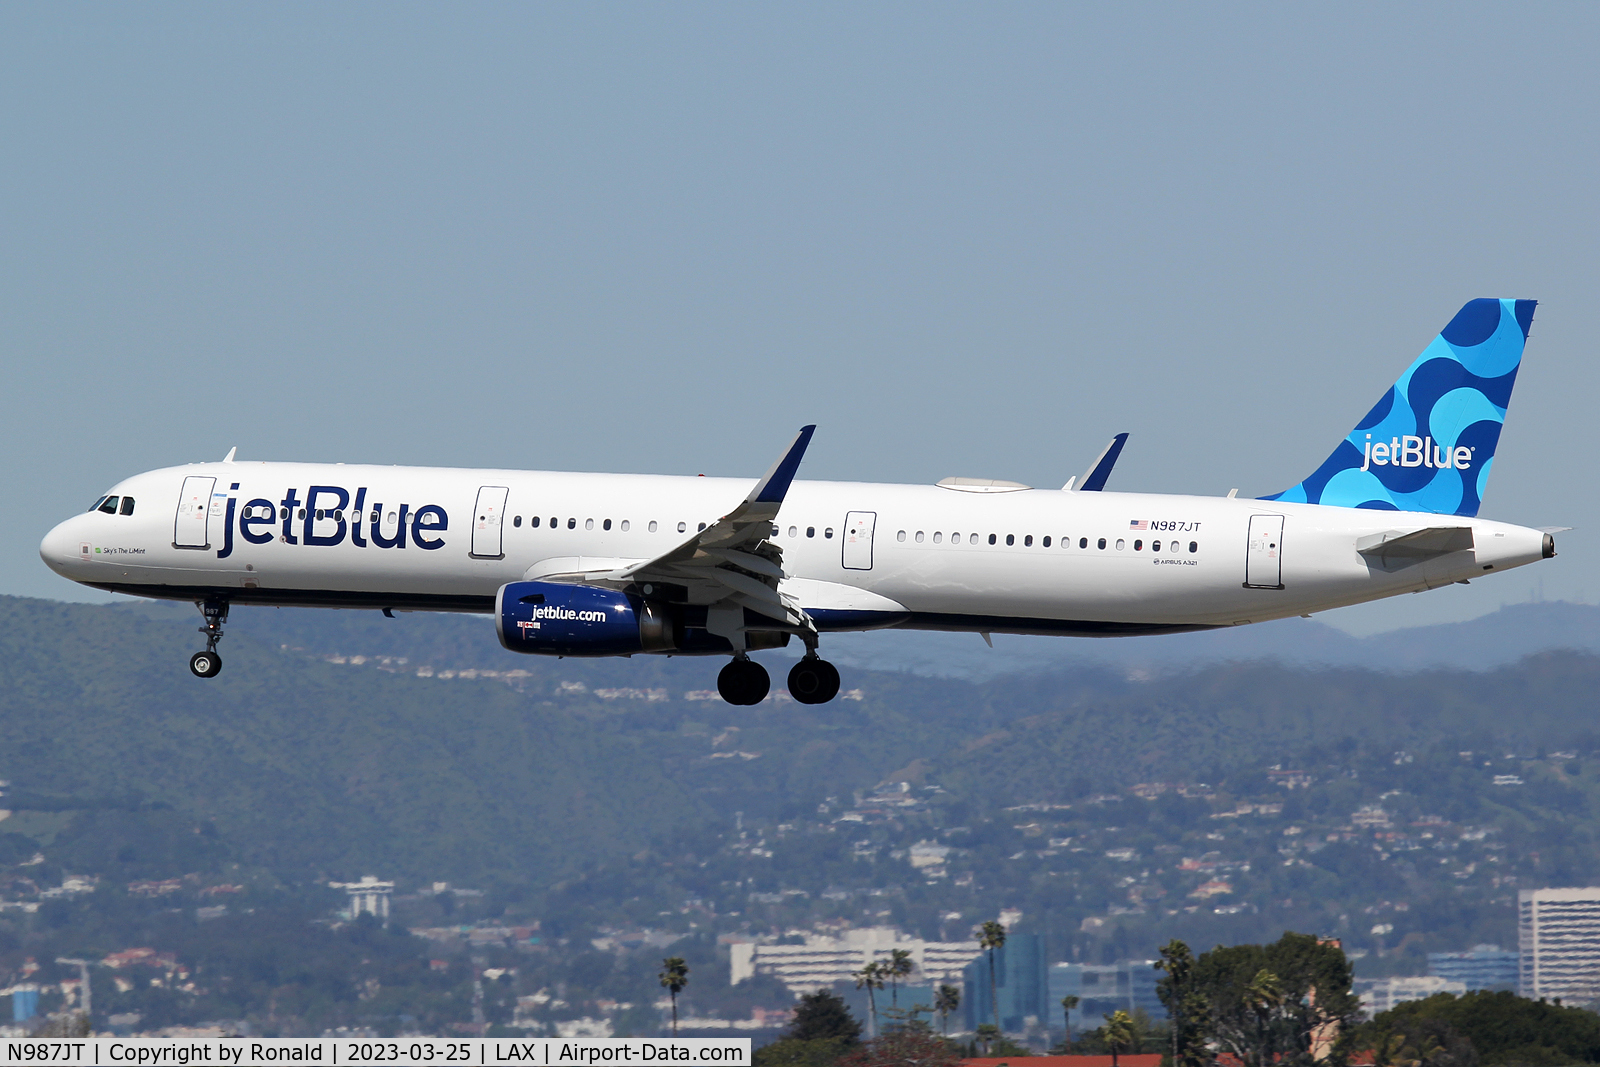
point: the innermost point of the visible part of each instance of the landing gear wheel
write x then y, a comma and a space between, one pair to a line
813, 681
744, 682
205, 664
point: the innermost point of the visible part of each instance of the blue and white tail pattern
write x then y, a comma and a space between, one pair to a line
1429, 443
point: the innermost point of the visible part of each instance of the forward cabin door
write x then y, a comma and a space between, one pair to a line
488, 521
858, 539
1263, 562
194, 506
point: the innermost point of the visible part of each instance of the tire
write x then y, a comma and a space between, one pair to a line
813, 681
743, 683
205, 664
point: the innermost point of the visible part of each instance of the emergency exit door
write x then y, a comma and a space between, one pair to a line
194, 507
858, 539
488, 522
1263, 562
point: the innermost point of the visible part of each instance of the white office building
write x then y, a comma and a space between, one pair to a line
822, 961
367, 897
1381, 994
1558, 943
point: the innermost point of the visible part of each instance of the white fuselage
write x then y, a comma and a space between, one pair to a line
856, 555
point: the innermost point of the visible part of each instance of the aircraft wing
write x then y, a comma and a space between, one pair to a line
730, 565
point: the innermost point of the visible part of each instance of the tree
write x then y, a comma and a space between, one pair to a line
900, 966
1276, 1004
987, 1034
823, 1016
991, 937
910, 1045
1119, 1034
1185, 1005
946, 1000
1068, 1003
674, 975
1501, 1026
870, 978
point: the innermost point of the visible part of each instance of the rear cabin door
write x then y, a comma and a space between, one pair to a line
858, 539
1263, 562
488, 520
194, 507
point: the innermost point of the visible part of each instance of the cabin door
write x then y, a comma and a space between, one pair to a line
858, 539
1263, 562
194, 507
488, 522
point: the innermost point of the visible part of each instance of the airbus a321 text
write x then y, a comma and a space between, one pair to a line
617, 564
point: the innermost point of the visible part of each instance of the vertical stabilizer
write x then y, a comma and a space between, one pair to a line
1429, 443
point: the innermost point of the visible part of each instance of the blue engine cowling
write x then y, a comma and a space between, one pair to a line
553, 619
579, 620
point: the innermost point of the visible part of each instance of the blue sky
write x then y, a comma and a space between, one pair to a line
963, 239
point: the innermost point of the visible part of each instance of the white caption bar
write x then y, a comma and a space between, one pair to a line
334, 1052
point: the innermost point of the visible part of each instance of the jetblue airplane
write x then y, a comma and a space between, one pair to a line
618, 564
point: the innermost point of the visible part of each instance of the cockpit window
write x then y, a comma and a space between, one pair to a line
127, 506
96, 505
109, 506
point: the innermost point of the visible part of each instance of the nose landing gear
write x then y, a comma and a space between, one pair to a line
208, 664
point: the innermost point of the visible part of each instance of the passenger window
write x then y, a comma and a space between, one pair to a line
793, 531
811, 531
1121, 544
702, 528
828, 533
319, 513
127, 506
110, 505
588, 524
682, 526
604, 526
901, 536
302, 513
1194, 546
1102, 543
775, 530
991, 539
955, 539
937, 537
652, 526
625, 525
1155, 546
1046, 542
1011, 539
1138, 545
338, 516
572, 524
1027, 542
1083, 542
517, 522
919, 537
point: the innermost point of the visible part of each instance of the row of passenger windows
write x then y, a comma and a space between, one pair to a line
1045, 541
110, 505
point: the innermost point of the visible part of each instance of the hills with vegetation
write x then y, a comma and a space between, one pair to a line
607, 803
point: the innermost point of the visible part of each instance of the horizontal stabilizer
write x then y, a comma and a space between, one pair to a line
1395, 549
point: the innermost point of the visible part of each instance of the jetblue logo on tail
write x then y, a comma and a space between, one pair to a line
1429, 443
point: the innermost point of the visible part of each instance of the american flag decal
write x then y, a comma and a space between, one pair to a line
1138, 524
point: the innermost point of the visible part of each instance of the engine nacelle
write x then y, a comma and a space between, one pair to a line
553, 619
579, 620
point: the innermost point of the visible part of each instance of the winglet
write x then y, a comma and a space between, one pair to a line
775, 486
231, 453
1095, 480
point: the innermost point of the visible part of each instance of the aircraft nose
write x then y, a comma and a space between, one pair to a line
60, 546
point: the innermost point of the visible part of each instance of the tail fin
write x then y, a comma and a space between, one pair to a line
1429, 443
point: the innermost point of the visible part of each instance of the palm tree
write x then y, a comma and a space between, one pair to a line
946, 1000
674, 975
1119, 1033
900, 966
991, 937
1067, 1004
870, 978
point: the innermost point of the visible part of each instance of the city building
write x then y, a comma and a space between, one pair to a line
1019, 984
367, 897
821, 961
1122, 986
1485, 967
1381, 994
1558, 943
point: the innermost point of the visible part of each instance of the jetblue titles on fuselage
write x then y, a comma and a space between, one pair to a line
327, 516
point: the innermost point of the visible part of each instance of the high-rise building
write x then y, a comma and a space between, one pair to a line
819, 961
1381, 994
1122, 986
1019, 982
1485, 967
1558, 943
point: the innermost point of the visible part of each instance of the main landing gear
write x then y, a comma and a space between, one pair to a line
811, 681
208, 664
